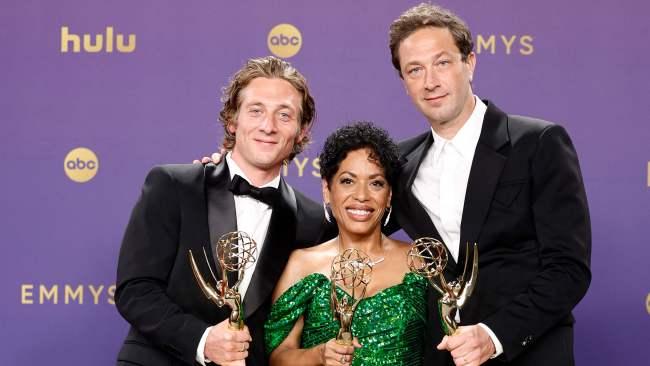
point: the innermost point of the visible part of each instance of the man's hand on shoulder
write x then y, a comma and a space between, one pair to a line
470, 345
214, 158
225, 346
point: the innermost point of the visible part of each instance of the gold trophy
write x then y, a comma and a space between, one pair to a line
351, 270
428, 258
236, 251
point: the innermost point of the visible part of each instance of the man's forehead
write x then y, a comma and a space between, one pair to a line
430, 38
263, 90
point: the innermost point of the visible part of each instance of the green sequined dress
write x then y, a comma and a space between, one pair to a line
390, 325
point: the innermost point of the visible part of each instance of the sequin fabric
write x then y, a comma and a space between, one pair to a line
390, 324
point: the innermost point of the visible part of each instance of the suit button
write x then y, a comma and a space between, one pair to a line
526, 341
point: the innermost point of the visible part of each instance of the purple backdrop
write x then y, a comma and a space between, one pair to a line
580, 63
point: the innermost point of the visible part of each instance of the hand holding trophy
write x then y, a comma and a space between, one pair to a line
351, 270
428, 258
236, 251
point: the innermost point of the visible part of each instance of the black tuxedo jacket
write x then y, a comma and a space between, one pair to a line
185, 207
526, 207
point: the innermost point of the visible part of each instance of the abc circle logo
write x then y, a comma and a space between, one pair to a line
81, 165
284, 40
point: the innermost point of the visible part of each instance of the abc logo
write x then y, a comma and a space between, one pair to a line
284, 40
81, 165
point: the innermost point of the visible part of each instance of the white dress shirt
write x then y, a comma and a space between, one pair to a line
441, 180
253, 218
441, 183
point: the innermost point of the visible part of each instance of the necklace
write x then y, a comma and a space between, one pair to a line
372, 263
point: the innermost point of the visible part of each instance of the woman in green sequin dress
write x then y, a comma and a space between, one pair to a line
359, 165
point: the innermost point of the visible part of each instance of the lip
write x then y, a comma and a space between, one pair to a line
266, 142
435, 99
359, 213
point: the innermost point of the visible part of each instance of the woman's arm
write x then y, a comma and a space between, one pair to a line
289, 351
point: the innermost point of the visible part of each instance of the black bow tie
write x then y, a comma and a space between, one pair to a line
239, 186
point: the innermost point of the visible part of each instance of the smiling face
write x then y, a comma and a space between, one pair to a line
266, 126
436, 78
358, 194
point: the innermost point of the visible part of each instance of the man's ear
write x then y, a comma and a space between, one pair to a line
302, 133
471, 65
232, 127
406, 89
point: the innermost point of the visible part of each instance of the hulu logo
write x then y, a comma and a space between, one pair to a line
96, 43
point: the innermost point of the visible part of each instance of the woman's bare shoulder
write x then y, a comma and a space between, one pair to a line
304, 262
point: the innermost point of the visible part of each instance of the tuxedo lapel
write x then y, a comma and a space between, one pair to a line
222, 217
279, 241
417, 222
483, 177
412, 161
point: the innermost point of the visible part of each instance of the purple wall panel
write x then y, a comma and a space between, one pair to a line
158, 104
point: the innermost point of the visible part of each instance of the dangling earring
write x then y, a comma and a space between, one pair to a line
327, 214
387, 216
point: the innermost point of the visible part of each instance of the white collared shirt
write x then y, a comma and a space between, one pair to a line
441, 180
253, 218
441, 183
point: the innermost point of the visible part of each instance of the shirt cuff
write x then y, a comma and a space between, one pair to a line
498, 348
200, 356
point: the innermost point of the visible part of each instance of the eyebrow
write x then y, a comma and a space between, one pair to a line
280, 106
286, 106
435, 57
381, 175
254, 104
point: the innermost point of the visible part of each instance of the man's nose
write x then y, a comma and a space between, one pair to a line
268, 124
431, 80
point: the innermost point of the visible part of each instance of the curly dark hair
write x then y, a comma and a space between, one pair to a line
355, 136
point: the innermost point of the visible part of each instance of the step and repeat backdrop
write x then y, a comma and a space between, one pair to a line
95, 93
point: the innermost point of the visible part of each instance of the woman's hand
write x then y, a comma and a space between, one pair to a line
334, 354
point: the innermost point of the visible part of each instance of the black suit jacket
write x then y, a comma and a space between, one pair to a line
526, 207
185, 207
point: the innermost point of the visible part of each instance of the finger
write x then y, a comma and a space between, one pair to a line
343, 350
227, 336
236, 346
205, 160
338, 359
232, 346
355, 343
196, 161
443, 344
331, 358
236, 356
463, 350
216, 157
456, 341
345, 359
241, 335
464, 361
471, 358
250, 339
